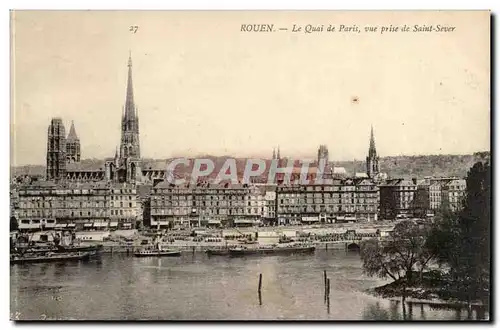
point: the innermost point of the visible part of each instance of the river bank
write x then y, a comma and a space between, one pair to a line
435, 289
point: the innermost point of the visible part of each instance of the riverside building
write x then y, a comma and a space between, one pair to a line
205, 205
346, 200
86, 206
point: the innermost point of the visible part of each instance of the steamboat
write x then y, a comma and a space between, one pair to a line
157, 250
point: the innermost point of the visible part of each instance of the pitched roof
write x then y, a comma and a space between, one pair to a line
87, 165
154, 165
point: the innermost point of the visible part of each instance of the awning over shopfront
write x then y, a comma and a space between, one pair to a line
310, 219
71, 225
61, 225
100, 224
214, 222
243, 221
366, 231
87, 225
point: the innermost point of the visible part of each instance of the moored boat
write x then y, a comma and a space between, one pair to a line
91, 249
48, 257
219, 252
66, 244
157, 250
157, 253
272, 250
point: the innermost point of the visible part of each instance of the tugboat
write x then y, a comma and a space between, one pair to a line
272, 250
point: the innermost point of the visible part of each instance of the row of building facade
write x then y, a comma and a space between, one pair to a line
122, 205
80, 206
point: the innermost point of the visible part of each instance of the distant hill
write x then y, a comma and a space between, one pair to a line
394, 166
421, 166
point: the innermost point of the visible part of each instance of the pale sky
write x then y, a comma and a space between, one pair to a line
204, 87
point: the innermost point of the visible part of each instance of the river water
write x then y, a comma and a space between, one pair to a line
198, 287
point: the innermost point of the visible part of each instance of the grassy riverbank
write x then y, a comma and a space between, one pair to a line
434, 288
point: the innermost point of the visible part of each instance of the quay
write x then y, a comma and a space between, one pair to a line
197, 247
199, 240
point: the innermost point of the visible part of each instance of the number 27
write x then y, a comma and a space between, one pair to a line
133, 28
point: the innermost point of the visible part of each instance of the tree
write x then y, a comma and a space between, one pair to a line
475, 229
462, 239
398, 257
13, 224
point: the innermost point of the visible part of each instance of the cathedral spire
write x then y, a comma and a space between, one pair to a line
274, 153
72, 133
130, 146
372, 151
372, 160
279, 156
129, 102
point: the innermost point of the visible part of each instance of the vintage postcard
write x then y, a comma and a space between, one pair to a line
250, 165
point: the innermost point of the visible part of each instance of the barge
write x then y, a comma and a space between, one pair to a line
157, 253
272, 250
49, 257
217, 252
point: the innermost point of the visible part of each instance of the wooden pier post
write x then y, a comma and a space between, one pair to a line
260, 282
324, 278
328, 288
327, 246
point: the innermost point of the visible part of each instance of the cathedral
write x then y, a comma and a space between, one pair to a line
64, 156
126, 165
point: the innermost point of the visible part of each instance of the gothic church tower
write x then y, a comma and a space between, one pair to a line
56, 150
126, 166
72, 145
372, 166
130, 146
